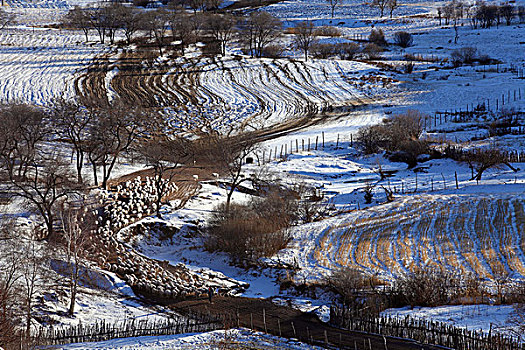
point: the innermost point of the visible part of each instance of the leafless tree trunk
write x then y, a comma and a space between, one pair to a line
78, 227
304, 37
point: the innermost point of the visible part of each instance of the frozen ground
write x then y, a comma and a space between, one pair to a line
498, 318
38, 64
223, 339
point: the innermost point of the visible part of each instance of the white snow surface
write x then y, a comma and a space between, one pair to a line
220, 339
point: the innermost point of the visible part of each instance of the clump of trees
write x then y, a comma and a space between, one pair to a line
382, 5
398, 135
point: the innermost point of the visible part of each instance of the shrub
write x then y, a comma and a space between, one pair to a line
373, 51
398, 135
254, 230
347, 282
464, 55
141, 3
323, 50
273, 51
424, 287
348, 51
377, 37
408, 67
328, 31
403, 39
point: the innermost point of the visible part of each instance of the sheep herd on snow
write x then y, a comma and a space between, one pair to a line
132, 201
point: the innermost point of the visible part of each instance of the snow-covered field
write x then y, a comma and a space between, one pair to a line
495, 318
477, 228
222, 339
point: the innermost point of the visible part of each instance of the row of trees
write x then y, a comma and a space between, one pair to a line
480, 13
256, 30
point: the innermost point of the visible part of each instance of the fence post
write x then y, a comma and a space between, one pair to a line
323, 139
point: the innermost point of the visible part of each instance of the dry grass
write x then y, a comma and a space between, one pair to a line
460, 233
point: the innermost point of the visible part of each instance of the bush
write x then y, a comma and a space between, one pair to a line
377, 37
464, 55
251, 231
273, 51
398, 135
373, 51
408, 67
328, 31
347, 51
141, 3
423, 287
323, 50
403, 39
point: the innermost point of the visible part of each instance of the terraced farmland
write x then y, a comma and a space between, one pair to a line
203, 92
484, 235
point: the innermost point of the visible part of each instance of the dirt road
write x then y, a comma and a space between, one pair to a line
263, 315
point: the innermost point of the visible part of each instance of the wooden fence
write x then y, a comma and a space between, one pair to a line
426, 332
102, 330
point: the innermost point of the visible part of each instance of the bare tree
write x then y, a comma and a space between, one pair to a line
392, 5
229, 154
333, 4
22, 129
182, 28
10, 266
131, 20
221, 28
259, 30
156, 23
116, 127
74, 124
381, 5
480, 160
304, 37
78, 223
47, 181
34, 276
78, 18
507, 11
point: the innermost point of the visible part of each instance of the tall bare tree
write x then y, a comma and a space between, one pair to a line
74, 124
304, 37
79, 225
221, 28
116, 127
182, 28
22, 129
333, 4
156, 22
259, 30
78, 18
381, 5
